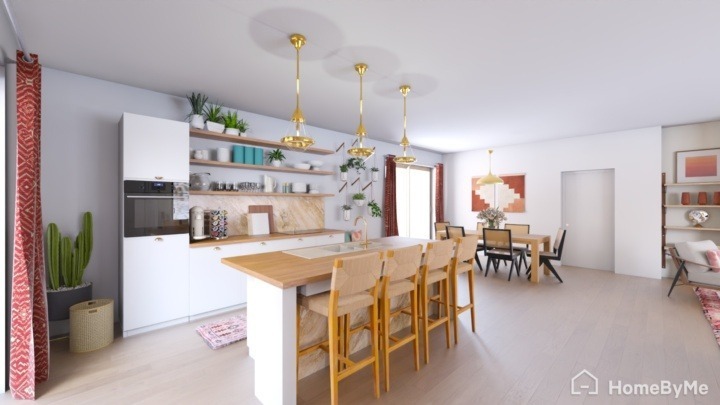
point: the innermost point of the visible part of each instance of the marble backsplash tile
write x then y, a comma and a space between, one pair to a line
289, 213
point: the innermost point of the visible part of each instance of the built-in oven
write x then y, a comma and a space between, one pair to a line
155, 208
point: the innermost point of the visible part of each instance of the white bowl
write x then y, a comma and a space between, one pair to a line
304, 166
316, 163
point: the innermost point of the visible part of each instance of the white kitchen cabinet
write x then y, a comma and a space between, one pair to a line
154, 282
215, 286
154, 148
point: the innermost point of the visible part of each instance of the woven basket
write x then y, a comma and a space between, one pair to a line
91, 325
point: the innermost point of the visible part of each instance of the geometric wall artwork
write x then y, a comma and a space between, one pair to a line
510, 194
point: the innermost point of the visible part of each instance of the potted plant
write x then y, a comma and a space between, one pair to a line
493, 217
276, 157
230, 120
197, 105
214, 118
242, 126
374, 208
359, 199
356, 163
375, 172
346, 212
66, 263
343, 172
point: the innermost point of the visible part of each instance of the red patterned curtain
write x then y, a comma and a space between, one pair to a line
390, 201
29, 342
439, 191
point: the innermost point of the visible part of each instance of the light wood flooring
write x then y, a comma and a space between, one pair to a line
531, 340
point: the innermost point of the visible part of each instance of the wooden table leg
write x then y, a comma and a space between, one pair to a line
535, 262
546, 248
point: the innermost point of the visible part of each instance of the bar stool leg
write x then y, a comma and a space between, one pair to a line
333, 353
471, 288
414, 326
454, 308
385, 331
425, 311
375, 344
446, 299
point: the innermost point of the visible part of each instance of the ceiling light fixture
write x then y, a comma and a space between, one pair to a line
296, 138
405, 143
360, 151
490, 178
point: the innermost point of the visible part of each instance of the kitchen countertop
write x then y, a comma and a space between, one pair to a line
261, 238
285, 271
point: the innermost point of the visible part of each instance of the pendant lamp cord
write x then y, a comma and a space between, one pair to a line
15, 28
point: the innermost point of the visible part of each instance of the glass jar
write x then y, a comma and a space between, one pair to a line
200, 181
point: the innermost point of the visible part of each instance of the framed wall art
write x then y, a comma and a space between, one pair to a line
697, 166
509, 196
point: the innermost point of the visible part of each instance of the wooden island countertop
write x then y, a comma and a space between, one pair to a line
283, 270
261, 238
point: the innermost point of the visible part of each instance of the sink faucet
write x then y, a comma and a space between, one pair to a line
366, 243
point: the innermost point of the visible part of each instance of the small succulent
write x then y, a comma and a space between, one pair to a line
343, 168
358, 196
276, 155
375, 169
213, 113
242, 125
346, 207
231, 119
197, 103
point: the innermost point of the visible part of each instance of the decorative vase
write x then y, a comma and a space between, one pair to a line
716, 198
685, 198
275, 163
375, 176
702, 198
491, 225
346, 215
197, 121
232, 131
343, 176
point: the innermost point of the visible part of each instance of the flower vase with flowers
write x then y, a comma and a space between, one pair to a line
493, 217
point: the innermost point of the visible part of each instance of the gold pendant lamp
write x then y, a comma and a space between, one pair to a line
405, 143
296, 138
359, 151
490, 178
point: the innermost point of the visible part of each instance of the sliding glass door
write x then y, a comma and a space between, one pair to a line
413, 189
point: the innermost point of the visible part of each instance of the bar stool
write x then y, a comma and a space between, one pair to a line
462, 262
435, 270
355, 285
399, 277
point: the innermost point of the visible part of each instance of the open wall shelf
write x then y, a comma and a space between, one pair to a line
244, 140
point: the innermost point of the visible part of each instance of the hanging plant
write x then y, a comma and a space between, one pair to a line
375, 210
359, 199
356, 163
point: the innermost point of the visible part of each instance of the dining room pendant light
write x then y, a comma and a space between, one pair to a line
296, 137
360, 151
490, 178
405, 143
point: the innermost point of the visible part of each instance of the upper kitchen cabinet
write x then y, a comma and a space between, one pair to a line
154, 148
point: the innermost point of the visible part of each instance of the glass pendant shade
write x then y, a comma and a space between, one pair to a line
296, 138
405, 143
490, 178
361, 151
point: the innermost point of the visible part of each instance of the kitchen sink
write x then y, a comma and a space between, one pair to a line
331, 250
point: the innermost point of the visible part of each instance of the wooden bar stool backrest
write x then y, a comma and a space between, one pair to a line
497, 238
438, 254
466, 247
403, 263
356, 274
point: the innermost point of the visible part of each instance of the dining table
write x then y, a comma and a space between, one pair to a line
534, 240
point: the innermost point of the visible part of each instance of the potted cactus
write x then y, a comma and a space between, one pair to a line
66, 262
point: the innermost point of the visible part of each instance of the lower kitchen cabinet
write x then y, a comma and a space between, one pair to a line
154, 281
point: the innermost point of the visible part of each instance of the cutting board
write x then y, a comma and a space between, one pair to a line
264, 208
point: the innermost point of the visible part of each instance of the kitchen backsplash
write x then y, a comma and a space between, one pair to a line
289, 213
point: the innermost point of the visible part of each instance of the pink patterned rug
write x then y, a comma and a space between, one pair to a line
225, 332
710, 302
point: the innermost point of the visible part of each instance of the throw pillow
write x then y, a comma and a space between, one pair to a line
713, 256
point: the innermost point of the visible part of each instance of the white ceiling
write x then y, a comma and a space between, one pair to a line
483, 73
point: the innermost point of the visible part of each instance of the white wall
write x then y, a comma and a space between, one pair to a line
687, 137
80, 160
3, 250
635, 156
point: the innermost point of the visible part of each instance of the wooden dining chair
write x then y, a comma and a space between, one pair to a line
355, 285
499, 246
440, 226
400, 276
546, 258
521, 229
453, 232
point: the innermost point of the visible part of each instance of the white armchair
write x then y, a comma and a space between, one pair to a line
693, 267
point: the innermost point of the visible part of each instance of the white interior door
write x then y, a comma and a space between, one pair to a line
588, 211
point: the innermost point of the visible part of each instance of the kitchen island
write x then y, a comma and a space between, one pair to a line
273, 282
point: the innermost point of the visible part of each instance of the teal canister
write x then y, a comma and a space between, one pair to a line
249, 155
259, 156
238, 154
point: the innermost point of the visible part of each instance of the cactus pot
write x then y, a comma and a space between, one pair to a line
60, 301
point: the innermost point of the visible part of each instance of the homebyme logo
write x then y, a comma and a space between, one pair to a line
586, 382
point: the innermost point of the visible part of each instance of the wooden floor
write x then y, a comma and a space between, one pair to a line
531, 340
